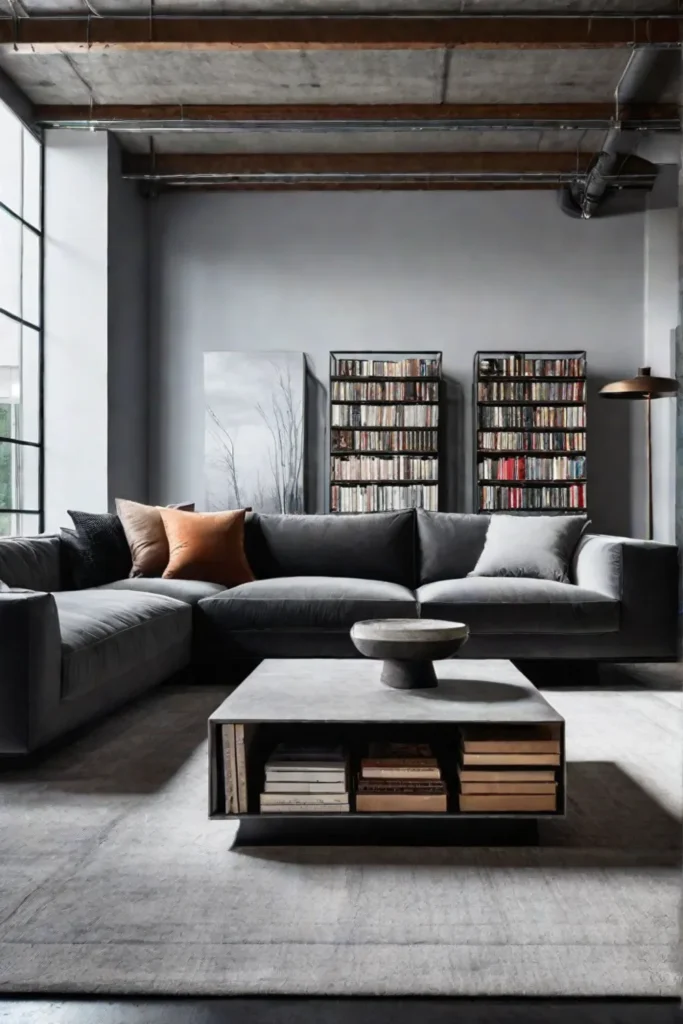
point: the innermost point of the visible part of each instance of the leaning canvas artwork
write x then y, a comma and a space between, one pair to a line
254, 430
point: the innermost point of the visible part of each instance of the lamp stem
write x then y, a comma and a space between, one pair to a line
648, 420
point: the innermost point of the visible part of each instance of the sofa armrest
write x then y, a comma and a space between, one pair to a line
643, 576
30, 668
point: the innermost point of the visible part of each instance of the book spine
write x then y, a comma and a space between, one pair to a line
401, 773
511, 746
370, 803
519, 802
504, 788
230, 769
241, 764
507, 775
517, 759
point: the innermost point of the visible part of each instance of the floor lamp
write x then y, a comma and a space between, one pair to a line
644, 387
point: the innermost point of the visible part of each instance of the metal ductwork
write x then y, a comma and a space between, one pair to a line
584, 197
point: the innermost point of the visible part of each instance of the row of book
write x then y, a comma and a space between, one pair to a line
521, 366
536, 392
499, 769
385, 415
508, 769
385, 440
393, 391
384, 467
494, 498
386, 367
515, 440
531, 467
530, 416
383, 497
300, 778
400, 778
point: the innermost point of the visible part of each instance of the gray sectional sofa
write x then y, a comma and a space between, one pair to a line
68, 656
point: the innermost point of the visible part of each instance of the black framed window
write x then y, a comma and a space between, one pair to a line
21, 328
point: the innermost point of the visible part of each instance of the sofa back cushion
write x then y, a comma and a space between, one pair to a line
449, 544
373, 546
31, 563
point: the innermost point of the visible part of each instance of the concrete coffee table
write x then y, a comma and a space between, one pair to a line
408, 647
345, 700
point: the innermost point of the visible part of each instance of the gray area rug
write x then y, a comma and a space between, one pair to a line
112, 880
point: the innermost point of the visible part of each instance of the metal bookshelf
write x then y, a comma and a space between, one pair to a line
501, 473
393, 444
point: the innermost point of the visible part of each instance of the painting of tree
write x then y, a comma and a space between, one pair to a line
254, 430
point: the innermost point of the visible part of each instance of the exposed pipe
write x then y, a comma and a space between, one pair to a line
618, 144
378, 125
465, 177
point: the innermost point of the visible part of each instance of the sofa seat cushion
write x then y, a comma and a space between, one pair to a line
190, 591
308, 602
110, 637
502, 605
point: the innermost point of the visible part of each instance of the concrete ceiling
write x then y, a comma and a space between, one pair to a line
367, 142
202, 76
333, 76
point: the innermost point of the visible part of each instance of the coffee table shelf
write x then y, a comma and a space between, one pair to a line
347, 696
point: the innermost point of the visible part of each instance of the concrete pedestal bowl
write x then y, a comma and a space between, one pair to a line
408, 647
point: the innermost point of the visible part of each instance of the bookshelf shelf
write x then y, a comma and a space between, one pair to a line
532, 483
517, 393
379, 401
336, 378
531, 451
529, 401
415, 378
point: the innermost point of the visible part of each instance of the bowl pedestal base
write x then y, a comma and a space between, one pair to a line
408, 675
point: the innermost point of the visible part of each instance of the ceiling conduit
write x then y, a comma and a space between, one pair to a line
583, 198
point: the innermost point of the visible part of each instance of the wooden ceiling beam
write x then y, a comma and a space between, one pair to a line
76, 34
321, 114
208, 164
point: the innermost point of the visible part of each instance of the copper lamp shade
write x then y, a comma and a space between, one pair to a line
646, 388
643, 385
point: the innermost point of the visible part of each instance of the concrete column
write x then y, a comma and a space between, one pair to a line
95, 315
660, 320
76, 329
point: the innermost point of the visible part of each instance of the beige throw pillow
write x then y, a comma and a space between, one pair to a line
146, 536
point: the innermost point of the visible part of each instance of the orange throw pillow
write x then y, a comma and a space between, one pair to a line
207, 546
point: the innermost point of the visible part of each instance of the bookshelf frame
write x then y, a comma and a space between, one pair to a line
480, 453
389, 355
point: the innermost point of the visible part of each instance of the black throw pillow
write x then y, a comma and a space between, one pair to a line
97, 551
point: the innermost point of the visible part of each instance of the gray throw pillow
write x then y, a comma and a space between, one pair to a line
536, 547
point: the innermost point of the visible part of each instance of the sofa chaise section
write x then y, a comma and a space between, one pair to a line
67, 657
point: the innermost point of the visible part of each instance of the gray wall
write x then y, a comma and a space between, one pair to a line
128, 384
456, 271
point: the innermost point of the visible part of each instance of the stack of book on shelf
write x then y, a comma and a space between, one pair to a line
306, 779
508, 768
403, 778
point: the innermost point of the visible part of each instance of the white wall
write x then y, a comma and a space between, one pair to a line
95, 313
76, 328
455, 271
661, 318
